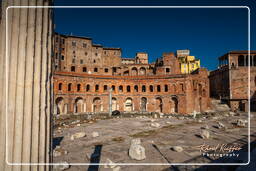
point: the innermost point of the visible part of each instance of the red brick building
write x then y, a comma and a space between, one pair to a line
230, 81
84, 73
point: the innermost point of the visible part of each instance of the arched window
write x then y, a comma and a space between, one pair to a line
136, 89
241, 60
96, 87
128, 88
120, 88
128, 105
87, 87
166, 88
143, 104
134, 71
143, 88
142, 71
113, 88
60, 86
158, 88
126, 73
105, 88
78, 87
151, 88
73, 68
95, 69
69, 86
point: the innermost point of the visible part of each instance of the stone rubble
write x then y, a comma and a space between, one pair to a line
62, 166
205, 134
177, 148
136, 151
77, 135
241, 123
220, 125
156, 125
95, 134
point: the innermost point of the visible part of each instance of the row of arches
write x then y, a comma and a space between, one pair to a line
127, 88
135, 71
97, 105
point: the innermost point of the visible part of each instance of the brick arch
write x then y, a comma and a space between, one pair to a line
97, 104
60, 105
134, 71
78, 87
128, 104
79, 105
142, 71
159, 104
174, 102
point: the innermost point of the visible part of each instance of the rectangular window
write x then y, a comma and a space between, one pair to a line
84, 45
81, 61
84, 69
73, 43
62, 57
106, 70
73, 61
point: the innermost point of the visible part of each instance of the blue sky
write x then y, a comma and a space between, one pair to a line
208, 33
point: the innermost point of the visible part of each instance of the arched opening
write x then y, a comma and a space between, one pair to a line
97, 106
126, 73
142, 71
105, 88
166, 88
60, 105
158, 88
159, 104
151, 88
87, 87
113, 88
134, 71
69, 86
174, 105
60, 86
114, 104
128, 88
96, 88
136, 89
241, 60
143, 104
78, 87
143, 88
79, 106
73, 69
128, 105
120, 88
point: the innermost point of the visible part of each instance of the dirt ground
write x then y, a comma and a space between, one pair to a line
115, 136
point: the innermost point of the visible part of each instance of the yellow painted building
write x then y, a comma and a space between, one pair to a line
188, 64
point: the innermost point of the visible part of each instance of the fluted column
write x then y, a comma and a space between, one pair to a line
27, 76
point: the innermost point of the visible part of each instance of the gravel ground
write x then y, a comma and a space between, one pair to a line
116, 134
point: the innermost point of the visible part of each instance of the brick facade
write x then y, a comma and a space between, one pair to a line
137, 86
230, 81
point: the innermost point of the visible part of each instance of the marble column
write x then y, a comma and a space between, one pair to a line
25, 85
